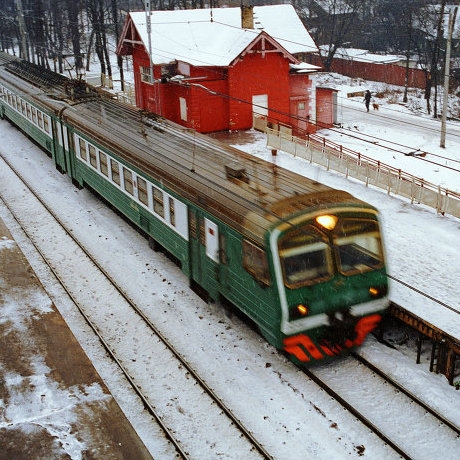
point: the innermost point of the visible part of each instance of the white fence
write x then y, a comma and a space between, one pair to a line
320, 151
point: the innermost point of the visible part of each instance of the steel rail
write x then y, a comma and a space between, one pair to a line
249, 436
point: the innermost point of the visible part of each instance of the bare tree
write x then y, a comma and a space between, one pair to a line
9, 31
334, 23
96, 15
430, 21
73, 10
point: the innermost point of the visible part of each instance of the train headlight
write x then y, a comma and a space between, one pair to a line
378, 291
327, 221
299, 311
302, 310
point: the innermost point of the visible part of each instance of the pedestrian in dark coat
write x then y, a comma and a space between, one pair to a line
367, 99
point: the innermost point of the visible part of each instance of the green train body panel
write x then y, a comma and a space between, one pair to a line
45, 141
161, 233
257, 301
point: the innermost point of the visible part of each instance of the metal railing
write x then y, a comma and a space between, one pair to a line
320, 151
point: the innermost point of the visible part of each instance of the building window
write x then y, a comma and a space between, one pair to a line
183, 108
146, 74
301, 106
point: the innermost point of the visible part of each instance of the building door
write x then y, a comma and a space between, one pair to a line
260, 104
299, 108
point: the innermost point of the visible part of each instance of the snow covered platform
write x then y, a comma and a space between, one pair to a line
445, 348
53, 404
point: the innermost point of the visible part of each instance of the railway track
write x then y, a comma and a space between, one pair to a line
395, 429
222, 428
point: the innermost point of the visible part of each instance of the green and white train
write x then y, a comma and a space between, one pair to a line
303, 261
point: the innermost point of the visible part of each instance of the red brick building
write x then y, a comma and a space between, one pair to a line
214, 68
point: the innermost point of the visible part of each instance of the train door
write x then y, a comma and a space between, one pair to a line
62, 147
204, 251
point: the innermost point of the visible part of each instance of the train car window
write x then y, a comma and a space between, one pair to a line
82, 146
103, 163
40, 120
115, 169
128, 181
172, 212
358, 246
222, 249
202, 231
46, 123
23, 107
92, 156
34, 115
158, 202
29, 111
255, 262
306, 257
192, 224
142, 191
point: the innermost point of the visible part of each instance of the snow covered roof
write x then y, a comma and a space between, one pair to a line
304, 67
360, 55
214, 36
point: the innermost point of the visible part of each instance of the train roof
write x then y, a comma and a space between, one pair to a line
234, 186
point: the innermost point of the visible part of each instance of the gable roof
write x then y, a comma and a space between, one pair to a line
212, 37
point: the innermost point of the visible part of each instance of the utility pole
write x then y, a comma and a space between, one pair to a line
450, 29
156, 88
148, 12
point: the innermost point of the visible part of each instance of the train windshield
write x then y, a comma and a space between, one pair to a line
358, 246
306, 257
312, 254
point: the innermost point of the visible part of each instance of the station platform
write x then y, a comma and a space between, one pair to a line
53, 403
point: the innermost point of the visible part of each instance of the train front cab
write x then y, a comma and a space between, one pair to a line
330, 272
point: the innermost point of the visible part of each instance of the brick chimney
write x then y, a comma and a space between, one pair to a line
247, 17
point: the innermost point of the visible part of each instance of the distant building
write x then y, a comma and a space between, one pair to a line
217, 69
389, 68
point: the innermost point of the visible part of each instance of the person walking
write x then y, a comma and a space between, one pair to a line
367, 99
